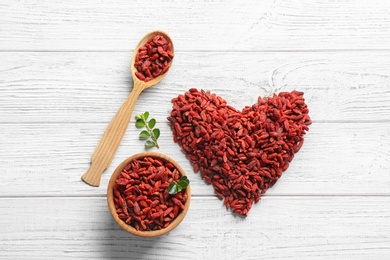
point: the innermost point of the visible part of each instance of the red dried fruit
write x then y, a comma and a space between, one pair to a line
140, 194
241, 153
152, 59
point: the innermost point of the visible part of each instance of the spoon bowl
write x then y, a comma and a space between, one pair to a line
141, 43
109, 143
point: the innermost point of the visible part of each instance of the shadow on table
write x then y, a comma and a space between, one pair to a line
119, 244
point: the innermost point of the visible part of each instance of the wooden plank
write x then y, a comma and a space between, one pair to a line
90, 87
232, 25
49, 159
278, 228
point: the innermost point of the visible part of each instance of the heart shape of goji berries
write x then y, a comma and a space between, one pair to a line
241, 153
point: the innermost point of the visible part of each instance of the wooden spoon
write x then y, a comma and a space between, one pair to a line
105, 150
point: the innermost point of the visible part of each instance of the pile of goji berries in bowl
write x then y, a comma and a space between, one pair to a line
148, 194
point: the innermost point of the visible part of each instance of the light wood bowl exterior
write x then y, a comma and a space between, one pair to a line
110, 196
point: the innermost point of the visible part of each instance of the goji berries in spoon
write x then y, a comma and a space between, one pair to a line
153, 58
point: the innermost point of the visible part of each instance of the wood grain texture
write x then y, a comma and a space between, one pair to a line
204, 25
109, 142
64, 72
48, 159
278, 228
90, 87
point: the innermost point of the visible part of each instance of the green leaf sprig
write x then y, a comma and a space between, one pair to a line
150, 132
175, 187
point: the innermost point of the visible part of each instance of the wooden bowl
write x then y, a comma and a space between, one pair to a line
110, 196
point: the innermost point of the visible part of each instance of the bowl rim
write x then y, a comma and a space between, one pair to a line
110, 196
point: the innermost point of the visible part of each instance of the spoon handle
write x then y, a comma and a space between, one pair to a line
109, 143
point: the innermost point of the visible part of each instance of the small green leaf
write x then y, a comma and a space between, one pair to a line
152, 123
150, 135
184, 183
175, 187
149, 144
172, 188
144, 134
146, 115
139, 123
156, 133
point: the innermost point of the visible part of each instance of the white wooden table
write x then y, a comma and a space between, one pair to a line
64, 72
